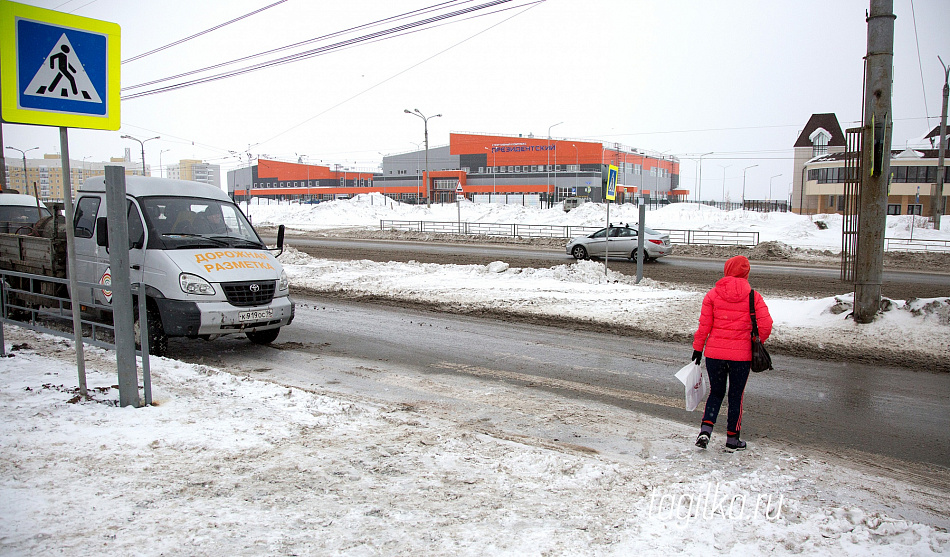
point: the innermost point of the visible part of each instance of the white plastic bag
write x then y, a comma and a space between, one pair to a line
697, 385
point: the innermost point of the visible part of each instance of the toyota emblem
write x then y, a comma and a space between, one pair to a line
255, 287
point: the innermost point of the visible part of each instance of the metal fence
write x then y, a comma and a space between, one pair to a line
488, 229
906, 244
42, 311
711, 237
696, 237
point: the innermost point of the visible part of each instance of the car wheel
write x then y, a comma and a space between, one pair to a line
579, 252
157, 339
263, 337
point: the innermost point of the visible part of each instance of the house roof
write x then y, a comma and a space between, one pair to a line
920, 154
827, 121
936, 132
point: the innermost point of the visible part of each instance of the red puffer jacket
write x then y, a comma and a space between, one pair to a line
725, 327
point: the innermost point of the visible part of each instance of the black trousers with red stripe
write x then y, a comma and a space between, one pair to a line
720, 372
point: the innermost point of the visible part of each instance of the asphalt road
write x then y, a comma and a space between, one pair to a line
855, 411
772, 277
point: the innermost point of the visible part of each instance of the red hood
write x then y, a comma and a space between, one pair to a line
733, 289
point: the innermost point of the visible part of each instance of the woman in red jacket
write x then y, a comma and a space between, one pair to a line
725, 330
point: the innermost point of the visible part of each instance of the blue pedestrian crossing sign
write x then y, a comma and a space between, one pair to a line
58, 69
612, 182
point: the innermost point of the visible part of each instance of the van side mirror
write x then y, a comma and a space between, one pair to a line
102, 232
280, 240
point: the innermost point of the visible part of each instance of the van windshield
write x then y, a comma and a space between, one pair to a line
188, 222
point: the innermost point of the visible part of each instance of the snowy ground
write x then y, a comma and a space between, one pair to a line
224, 464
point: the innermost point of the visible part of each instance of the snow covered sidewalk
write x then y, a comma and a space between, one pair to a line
226, 465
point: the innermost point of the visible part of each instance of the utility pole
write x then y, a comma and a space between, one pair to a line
937, 202
876, 161
3, 169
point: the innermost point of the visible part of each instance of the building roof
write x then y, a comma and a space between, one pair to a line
918, 154
829, 122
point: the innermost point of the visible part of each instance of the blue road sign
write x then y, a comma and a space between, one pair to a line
58, 69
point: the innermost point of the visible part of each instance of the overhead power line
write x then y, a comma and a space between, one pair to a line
205, 32
392, 32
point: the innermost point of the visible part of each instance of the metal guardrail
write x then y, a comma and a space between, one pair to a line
705, 237
711, 237
906, 244
688, 237
49, 308
488, 228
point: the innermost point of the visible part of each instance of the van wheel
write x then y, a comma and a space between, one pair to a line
157, 339
263, 337
579, 252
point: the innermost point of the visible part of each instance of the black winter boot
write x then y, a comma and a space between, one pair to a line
733, 444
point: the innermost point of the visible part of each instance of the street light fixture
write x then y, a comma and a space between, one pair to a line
142, 143
22, 152
743, 183
425, 123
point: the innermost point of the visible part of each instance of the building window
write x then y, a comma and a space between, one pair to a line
914, 209
820, 144
517, 169
893, 209
638, 169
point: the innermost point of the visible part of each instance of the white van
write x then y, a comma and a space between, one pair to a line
574, 203
207, 272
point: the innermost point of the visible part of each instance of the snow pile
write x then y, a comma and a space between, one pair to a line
226, 465
365, 211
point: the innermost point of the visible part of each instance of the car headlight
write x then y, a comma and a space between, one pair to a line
283, 283
193, 284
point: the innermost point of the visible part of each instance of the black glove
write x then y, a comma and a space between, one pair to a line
697, 356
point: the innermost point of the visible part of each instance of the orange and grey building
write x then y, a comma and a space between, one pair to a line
479, 165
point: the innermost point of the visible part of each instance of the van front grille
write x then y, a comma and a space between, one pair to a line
250, 293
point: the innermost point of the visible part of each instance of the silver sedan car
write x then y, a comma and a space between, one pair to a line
620, 242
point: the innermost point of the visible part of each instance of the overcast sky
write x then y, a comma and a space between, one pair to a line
738, 78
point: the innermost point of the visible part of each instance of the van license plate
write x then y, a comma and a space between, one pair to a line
256, 315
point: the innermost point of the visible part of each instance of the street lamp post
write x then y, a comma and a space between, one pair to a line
656, 173
549, 163
425, 123
493, 187
724, 180
699, 185
142, 143
418, 178
770, 185
577, 164
161, 171
22, 152
743, 183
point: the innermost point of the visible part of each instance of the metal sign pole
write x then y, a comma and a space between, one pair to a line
143, 341
118, 222
640, 232
71, 261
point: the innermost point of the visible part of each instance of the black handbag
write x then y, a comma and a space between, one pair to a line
761, 360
